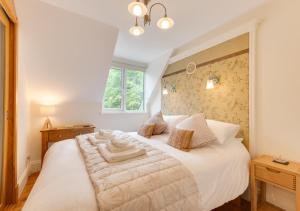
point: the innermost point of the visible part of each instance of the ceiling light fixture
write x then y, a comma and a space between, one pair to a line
139, 9
136, 30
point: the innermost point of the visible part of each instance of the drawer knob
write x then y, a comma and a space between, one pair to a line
273, 170
59, 136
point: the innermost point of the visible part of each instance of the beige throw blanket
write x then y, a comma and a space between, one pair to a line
155, 181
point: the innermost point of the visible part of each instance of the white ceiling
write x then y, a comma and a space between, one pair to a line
193, 18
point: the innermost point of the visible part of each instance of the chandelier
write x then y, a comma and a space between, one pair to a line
140, 9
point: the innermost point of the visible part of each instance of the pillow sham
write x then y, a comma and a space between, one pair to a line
202, 133
158, 121
173, 120
146, 130
181, 139
223, 130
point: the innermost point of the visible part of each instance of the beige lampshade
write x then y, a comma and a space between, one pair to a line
47, 110
137, 9
136, 30
165, 23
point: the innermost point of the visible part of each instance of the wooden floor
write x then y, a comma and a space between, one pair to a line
236, 205
30, 182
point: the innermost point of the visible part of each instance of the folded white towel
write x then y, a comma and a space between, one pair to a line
96, 141
119, 156
113, 148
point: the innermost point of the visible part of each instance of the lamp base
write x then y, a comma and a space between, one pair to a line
47, 124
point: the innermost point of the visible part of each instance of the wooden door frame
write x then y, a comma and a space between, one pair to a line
10, 172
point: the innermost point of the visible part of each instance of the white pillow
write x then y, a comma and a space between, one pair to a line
223, 130
173, 120
202, 133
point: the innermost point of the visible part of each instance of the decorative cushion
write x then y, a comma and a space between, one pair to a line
181, 139
223, 130
173, 120
160, 125
202, 133
146, 130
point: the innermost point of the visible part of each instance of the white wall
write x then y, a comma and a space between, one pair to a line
278, 102
64, 60
277, 83
153, 76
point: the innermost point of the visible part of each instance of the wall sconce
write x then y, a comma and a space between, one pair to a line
212, 81
165, 90
172, 89
47, 111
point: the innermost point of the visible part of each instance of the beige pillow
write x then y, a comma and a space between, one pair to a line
160, 125
146, 130
181, 139
202, 133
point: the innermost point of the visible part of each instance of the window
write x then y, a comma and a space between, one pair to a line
124, 90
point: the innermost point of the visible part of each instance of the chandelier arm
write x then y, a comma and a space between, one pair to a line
164, 7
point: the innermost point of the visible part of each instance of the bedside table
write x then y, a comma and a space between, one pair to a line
283, 176
62, 133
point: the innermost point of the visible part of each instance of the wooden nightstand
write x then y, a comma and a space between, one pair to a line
59, 134
283, 176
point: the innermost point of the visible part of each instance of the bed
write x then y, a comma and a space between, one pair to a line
220, 171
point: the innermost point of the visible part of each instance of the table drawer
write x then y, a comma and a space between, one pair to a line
58, 136
276, 177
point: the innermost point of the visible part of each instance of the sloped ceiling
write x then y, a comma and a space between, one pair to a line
63, 56
193, 18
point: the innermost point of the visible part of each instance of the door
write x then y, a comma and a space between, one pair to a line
4, 91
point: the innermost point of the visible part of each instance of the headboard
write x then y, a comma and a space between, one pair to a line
228, 101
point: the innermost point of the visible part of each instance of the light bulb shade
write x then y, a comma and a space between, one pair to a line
136, 30
210, 84
137, 9
165, 91
165, 23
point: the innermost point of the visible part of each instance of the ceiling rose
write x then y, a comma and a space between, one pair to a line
140, 9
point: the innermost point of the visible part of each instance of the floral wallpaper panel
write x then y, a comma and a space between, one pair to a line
228, 101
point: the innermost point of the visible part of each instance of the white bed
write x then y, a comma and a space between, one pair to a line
221, 173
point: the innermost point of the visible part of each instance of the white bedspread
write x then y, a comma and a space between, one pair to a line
221, 172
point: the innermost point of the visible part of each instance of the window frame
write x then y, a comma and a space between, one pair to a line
123, 68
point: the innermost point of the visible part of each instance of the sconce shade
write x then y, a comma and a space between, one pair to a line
165, 23
137, 9
210, 84
212, 81
165, 91
47, 110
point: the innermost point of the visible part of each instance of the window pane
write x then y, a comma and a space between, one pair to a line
134, 90
113, 90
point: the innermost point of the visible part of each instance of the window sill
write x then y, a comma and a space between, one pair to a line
123, 112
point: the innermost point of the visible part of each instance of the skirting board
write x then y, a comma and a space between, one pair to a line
34, 166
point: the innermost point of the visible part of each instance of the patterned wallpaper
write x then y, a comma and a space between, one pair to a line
228, 101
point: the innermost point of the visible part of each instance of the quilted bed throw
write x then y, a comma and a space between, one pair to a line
155, 181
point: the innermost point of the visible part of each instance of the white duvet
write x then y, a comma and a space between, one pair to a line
221, 173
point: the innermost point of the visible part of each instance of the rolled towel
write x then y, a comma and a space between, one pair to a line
109, 134
96, 141
119, 156
98, 136
113, 148
120, 142
104, 133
